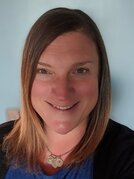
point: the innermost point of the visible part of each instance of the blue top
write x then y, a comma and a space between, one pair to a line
85, 170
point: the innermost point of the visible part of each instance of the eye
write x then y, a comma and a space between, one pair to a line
81, 71
43, 71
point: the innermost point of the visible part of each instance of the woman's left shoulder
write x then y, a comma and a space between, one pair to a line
114, 157
119, 132
117, 137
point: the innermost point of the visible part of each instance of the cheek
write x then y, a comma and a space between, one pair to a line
38, 90
89, 89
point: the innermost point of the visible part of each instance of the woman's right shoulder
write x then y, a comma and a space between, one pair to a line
5, 128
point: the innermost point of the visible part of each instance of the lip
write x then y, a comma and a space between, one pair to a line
63, 107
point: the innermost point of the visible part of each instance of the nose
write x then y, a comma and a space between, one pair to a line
63, 89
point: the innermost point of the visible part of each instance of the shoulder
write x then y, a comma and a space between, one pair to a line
116, 132
5, 128
115, 153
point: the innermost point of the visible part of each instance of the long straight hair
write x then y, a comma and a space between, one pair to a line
27, 138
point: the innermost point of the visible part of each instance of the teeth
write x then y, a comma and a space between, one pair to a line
63, 107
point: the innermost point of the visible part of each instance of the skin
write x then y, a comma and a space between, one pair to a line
65, 89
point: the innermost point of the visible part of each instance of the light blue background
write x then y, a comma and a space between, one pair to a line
115, 19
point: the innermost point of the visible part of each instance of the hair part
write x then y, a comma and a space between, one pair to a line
27, 139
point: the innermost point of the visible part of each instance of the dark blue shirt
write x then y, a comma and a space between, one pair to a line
83, 171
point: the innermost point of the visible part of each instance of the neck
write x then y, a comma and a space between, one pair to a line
59, 146
61, 143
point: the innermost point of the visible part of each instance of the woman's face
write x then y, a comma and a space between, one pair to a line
65, 88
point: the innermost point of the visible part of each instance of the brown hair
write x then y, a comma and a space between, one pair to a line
26, 140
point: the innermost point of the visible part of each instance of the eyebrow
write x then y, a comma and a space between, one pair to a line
44, 64
76, 64
83, 63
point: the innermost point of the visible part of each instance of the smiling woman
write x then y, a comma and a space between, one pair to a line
64, 130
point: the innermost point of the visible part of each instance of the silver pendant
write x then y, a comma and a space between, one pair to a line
55, 161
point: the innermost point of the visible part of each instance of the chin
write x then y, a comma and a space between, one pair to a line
63, 129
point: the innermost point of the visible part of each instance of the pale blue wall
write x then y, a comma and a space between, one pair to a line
115, 20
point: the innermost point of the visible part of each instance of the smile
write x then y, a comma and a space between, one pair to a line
63, 108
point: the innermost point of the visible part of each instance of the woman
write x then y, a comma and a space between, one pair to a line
64, 129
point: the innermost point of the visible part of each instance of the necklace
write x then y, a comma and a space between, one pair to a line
56, 160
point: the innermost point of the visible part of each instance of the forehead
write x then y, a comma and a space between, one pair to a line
69, 46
